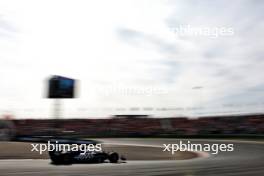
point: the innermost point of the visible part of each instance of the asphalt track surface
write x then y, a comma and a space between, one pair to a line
246, 159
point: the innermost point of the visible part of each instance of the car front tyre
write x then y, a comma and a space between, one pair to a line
113, 157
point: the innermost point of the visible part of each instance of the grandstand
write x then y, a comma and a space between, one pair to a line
142, 125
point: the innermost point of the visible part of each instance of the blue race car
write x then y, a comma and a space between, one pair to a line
69, 157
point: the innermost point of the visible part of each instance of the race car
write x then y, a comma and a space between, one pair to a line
69, 157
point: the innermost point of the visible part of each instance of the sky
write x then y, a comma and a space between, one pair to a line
132, 57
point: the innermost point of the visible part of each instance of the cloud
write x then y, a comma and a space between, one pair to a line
7, 30
132, 42
146, 40
226, 67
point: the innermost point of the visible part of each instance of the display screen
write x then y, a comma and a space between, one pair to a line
61, 87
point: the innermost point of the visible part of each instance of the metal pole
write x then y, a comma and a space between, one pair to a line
57, 108
57, 115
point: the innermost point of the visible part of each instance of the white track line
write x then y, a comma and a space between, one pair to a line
199, 153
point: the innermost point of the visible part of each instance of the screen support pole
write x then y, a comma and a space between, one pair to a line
57, 115
57, 108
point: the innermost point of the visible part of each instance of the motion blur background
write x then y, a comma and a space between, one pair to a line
165, 69
134, 58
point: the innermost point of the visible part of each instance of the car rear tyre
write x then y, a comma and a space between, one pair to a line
67, 159
59, 158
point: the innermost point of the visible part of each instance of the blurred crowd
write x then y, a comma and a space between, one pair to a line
136, 126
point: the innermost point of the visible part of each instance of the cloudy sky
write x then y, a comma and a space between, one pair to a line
130, 57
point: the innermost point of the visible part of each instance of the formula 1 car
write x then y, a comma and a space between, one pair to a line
69, 157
